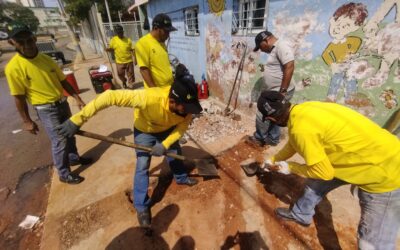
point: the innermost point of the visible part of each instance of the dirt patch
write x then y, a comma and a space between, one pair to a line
29, 198
230, 212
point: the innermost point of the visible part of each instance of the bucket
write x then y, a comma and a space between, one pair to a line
70, 77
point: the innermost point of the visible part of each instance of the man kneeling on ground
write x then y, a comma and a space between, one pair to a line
161, 117
339, 146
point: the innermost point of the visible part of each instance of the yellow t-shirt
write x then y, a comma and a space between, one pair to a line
151, 114
122, 49
360, 152
154, 55
337, 52
38, 78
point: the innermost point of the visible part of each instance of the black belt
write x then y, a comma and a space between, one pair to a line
49, 105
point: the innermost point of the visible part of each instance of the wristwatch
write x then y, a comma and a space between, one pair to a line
283, 90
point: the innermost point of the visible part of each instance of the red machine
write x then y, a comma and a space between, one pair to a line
101, 81
70, 77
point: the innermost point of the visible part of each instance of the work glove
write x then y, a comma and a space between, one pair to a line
158, 150
67, 128
267, 165
283, 167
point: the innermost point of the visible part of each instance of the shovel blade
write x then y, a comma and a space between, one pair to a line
206, 167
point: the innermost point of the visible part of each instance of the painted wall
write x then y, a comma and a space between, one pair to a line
363, 74
189, 50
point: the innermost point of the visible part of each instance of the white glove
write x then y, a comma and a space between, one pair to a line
266, 165
283, 167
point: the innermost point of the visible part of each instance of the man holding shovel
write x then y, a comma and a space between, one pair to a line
161, 117
339, 146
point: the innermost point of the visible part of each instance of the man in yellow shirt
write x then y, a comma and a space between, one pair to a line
36, 78
161, 117
152, 55
339, 146
124, 53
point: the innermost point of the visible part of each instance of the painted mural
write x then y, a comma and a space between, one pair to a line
346, 52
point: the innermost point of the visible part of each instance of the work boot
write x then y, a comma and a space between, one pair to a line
286, 214
254, 141
72, 179
189, 182
144, 218
81, 161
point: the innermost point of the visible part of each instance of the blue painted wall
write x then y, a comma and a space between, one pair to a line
190, 50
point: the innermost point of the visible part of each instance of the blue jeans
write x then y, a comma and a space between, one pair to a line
63, 149
380, 217
338, 80
266, 130
141, 199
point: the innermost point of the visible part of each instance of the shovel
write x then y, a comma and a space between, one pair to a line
205, 166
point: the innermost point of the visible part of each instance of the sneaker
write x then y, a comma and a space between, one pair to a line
189, 182
72, 179
286, 214
144, 218
81, 161
254, 141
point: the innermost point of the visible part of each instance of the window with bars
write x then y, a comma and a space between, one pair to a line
249, 16
191, 21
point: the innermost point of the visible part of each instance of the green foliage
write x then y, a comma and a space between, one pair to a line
14, 12
79, 9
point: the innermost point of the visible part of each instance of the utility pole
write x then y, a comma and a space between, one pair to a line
109, 16
119, 15
71, 33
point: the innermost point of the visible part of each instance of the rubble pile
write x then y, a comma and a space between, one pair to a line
213, 124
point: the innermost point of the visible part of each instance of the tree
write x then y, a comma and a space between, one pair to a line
14, 12
79, 9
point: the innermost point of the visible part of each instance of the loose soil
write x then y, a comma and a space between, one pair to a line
230, 212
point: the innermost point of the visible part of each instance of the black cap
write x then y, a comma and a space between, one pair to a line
15, 27
260, 37
163, 21
118, 28
272, 103
184, 91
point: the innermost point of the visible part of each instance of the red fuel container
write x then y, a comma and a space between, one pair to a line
70, 77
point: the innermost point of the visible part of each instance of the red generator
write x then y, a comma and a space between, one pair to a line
101, 81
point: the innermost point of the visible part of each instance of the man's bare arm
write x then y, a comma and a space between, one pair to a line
288, 70
147, 77
22, 107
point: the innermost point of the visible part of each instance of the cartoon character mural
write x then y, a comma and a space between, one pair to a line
340, 53
383, 42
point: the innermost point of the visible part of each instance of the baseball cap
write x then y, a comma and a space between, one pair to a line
260, 37
15, 27
272, 103
163, 21
184, 91
118, 28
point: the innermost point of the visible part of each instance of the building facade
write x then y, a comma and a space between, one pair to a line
50, 20
343, 49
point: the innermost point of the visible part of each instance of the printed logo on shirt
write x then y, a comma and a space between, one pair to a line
154, 51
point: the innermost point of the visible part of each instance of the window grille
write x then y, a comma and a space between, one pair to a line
191, 21
249, 16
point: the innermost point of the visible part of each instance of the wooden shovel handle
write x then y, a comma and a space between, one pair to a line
123, 143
